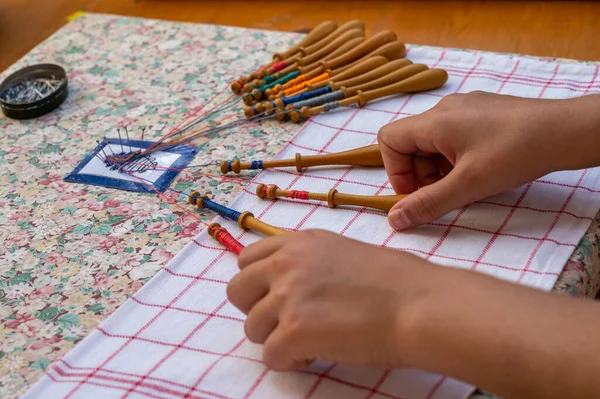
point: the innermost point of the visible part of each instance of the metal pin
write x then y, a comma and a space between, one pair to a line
120, 141
128, 141
143, 130
97, 141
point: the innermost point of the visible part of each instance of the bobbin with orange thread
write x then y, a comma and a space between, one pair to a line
311, 74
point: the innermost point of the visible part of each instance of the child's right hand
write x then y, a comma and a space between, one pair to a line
471, 146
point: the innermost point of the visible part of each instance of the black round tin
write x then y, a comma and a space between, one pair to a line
33, 91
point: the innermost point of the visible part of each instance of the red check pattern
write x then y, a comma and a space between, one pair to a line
178, 337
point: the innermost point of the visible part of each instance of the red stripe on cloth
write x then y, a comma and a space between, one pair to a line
537, 248
436, 387
145, 326
158, 379
174, 350
203, 376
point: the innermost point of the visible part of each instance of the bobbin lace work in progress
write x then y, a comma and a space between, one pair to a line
138, 353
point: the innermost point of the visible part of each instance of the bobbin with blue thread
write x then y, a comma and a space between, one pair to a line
245, 220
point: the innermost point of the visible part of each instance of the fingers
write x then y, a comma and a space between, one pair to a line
427, 170
261, 250
263, 319
282, 353
398, 142
432, 201
248, 287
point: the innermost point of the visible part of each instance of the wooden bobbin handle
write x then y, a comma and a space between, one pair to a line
316, 34
371, 75
363, 156
423, 81
364, 48
360, 68
350, 25
391, 51
387, 80
333, 197
247, 221
318, 55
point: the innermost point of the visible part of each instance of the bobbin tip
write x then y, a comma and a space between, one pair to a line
260, 108
278, 102
248, 99
248, 111
305, 112
212, 229
224, 167
269, 93
281, 114
272, 97
257, 94
269, 107
246, 88
294, 116
260, 191
272, 191
236, 87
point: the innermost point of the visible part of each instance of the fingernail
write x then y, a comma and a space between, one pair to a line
399, 220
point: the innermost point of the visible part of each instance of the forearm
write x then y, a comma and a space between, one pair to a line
573, 132
514, 341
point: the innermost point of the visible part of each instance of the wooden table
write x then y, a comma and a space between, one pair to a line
569, 29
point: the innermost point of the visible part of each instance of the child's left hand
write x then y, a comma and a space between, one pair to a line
317, 295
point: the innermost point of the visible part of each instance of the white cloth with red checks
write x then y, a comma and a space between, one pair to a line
179, 337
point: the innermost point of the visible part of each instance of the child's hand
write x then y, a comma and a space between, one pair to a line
471, 146
317, 295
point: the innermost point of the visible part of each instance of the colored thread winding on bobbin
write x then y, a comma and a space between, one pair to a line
245, 220
362, 156
333, 197
225, 238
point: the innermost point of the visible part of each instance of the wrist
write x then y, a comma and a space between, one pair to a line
420, 296
571, 131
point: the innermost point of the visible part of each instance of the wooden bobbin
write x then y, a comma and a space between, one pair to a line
423, 81
391, 51
384, 75
360, 68
365, 48
362, 156
318, 55
327, 40
315, 35
312, 71
335, 198
247, 221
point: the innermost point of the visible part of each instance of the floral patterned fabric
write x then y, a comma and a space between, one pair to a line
70, 254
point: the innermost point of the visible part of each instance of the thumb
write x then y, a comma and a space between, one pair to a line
432, 201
